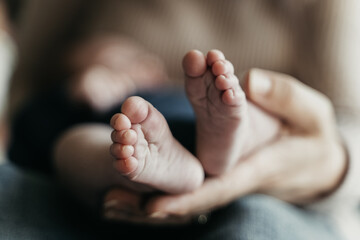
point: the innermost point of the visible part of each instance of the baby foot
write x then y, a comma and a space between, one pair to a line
220, 108
147, 153
225, 120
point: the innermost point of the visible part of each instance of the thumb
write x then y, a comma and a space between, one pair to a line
288, 98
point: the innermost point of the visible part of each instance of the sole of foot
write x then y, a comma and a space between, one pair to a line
147, 153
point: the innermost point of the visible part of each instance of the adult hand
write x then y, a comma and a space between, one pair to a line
121, 204
306, 162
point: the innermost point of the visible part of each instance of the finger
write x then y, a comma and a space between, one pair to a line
288, 98
214, 193
122, 200
121, 216
125, 205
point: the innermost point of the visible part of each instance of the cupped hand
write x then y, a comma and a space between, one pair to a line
305, 163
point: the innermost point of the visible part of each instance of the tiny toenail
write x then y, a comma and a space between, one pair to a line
223, 76
114, 119
130, 133
127, 134
117, 121
232, 93
126, 166
127, 149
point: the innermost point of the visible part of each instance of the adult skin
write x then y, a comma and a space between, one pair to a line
291, 168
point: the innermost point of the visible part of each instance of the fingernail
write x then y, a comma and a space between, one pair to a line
223, 76
260, 83
111, 204
158, 215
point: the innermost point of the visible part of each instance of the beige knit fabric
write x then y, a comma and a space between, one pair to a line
317, 41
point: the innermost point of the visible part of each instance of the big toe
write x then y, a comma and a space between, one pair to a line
194, 63
136, 109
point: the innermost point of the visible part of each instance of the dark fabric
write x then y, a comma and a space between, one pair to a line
33, 207
37, 127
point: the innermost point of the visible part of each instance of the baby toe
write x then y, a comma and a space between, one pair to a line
222, 67
126, 166
120, 122
194, 64
127, 136
120, 151
233, 96
222, 82
135, 109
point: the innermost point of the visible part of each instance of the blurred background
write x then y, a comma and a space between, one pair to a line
7, 59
